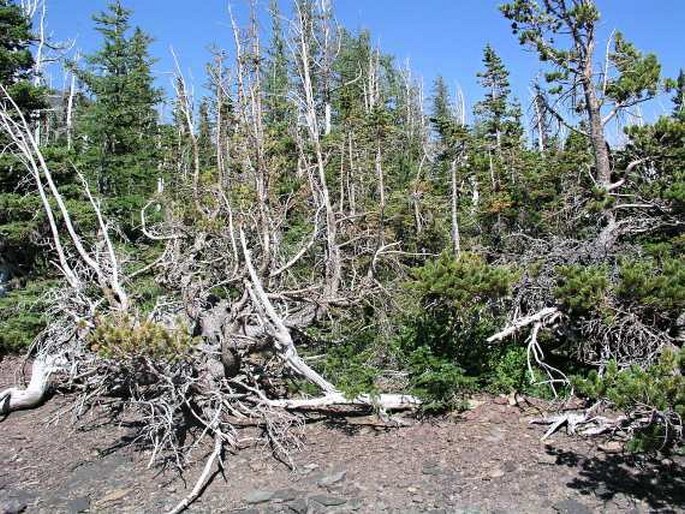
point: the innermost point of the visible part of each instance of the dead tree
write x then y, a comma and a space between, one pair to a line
229, 293
303, 36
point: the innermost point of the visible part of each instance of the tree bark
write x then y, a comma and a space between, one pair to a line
456, 240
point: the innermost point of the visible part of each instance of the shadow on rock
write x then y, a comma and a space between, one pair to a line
659, 483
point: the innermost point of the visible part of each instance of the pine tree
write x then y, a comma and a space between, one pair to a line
204, 136
17, 208
443, 117
452, 139
16, 59
679, 98
277, 80
563, 33
498, 138
22, 226
499, 118
119, 125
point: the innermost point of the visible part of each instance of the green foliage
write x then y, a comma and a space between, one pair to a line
656, 284
123, 338
652, 287
659, 388
662, 146
601, 200
20, 213
117, 128
679, 97
582, 289
499, 119
351, 366
354, 359
538, 27
459, 302
510, 371
15, 55
458, 283
440, 383
639, 75
23, 315
16, 60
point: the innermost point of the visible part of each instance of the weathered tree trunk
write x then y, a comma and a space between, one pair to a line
185, 104
16, 398
593, 108
333, 258
70, 108
598, 142
456, 240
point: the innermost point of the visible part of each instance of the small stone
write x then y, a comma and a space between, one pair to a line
611, 447
417, 499
571, 506
255, 497
81, 504
113, 496
603, 491
308, 468
412, 490
332, 479
12, 507
298, 506
285, 495
472, 404
496, 473
355, 504
327, 500
430, 469
510, 466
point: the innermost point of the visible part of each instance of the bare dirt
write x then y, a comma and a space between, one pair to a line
488, 459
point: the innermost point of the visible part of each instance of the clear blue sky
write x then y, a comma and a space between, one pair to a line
438, 36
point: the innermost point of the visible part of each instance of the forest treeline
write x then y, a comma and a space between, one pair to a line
318, 198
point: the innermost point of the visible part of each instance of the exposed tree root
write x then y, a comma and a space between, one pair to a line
182, 389
202, 481
16, 398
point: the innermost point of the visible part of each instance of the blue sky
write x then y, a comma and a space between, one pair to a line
437, 36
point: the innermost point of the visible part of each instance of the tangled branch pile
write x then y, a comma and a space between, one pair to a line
308, 237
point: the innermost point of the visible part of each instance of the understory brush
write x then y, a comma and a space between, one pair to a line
652, 398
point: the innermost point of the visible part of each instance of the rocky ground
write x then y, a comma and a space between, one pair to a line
488, 459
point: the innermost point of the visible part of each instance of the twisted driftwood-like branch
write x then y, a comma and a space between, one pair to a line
202, 480
18, 398
286, 348
383, 401
546, 315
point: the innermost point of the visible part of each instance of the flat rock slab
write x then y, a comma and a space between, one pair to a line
571, 506
298, 506
327, 500
256, 497
286, 495
12, 507
332, 479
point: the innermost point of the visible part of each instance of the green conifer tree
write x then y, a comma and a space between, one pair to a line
499, 118
564, 34
119, 125
679, 97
